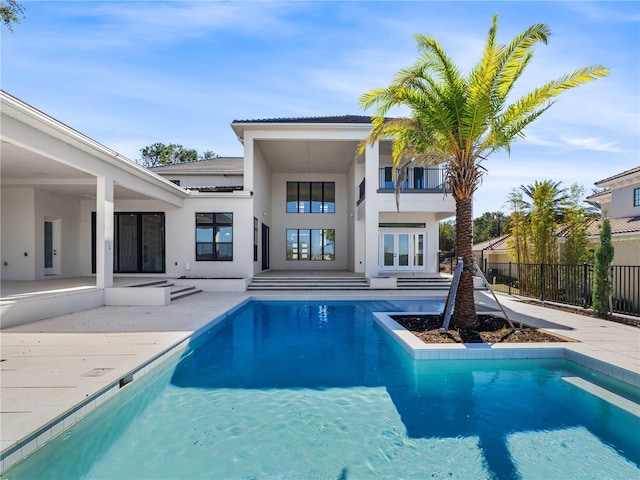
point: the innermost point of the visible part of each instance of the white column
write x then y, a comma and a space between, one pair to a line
249, 162
371, 163
104, 232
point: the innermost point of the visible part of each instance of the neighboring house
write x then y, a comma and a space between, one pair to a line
300, 199
620, 202
493, 250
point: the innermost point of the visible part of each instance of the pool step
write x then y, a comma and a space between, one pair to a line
308, 283
424, 283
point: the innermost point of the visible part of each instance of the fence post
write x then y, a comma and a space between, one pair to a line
585, 279
510, 278
542, 281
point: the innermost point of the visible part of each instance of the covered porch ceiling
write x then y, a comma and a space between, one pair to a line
24, 168
311, 156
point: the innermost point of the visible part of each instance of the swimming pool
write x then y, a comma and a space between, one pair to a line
317, 390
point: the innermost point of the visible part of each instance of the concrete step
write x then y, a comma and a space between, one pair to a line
308, 283
417, 283
181, 291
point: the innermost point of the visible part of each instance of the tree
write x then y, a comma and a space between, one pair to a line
11, 12
518, 241
545, 212
159, 154
576, 220
602, 289
447, 236
489, 225
460, 120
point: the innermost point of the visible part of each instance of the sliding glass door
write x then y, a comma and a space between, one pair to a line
138, 242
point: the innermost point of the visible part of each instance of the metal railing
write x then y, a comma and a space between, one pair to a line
361, 190
562, 283
421, 179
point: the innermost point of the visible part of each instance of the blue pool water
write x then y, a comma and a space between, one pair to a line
291, 390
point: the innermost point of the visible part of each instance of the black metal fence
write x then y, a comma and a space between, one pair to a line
569, 284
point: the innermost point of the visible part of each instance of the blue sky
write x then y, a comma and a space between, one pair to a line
129, 74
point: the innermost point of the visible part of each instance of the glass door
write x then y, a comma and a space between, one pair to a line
388, 251
401, 251
51, 246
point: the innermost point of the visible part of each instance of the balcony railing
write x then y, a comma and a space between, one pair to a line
425, 180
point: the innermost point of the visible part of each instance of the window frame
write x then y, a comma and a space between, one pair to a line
310, 252
216, 225
636, 197
304, 197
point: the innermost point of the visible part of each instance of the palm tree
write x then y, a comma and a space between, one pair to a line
460, 120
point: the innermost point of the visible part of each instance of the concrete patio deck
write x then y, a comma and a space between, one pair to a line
51, 366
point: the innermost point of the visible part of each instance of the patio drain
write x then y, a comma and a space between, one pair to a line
97, 372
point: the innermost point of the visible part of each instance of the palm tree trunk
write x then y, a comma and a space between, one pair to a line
464, 314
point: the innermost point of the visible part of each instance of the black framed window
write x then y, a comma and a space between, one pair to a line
311, 197
636, 197
311, 244
214, 237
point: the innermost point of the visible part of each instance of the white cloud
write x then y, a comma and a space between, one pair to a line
592, 143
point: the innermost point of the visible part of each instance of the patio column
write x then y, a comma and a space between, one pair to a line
104, 232
371, 218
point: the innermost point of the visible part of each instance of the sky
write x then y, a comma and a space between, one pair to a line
129, 74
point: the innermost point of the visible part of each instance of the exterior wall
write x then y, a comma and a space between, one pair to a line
262, 209
24, 211
417, 202
352, 190
65, 210
210, 180
180, 241
281, 221
18, 233
626, 248
622, 202
358, 220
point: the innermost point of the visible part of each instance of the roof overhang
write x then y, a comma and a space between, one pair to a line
40, 151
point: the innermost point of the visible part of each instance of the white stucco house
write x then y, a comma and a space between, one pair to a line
299, 200
619, 200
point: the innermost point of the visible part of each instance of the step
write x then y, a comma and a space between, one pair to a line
308, 283
182, 291
416, 283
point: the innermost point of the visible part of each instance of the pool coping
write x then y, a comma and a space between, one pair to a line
413, 346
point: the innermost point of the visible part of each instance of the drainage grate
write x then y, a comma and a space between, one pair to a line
97, 372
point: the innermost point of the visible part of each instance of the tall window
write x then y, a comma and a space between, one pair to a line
636, 197
214, 236
311, 197
311, 244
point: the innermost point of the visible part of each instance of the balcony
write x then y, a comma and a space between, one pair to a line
419, 180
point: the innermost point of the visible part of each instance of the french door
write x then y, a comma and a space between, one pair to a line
400, 251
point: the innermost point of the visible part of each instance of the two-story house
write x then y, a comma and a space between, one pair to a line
300, 199
620, 202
